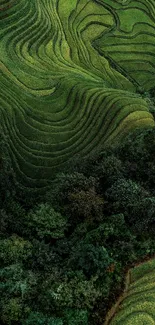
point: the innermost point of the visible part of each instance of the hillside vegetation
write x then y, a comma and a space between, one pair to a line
71, 74
64, 254
77, 163
138, 304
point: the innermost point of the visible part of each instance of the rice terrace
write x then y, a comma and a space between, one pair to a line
138, 299
77, 162
70, 75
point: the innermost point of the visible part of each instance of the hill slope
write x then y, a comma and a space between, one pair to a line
137, 306
69, 76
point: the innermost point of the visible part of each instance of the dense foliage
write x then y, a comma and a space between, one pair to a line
63, 254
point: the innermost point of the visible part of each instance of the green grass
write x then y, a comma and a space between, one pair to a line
69, 77
138, 305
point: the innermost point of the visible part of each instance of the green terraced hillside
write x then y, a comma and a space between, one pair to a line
138, 306
70, 71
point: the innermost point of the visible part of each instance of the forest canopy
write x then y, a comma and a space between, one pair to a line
63, 253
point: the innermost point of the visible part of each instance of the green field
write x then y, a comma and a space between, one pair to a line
70, 71
137, 306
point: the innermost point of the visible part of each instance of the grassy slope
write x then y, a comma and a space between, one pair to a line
65, 89
137, 303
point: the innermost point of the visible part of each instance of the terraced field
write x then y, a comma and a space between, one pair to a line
69, 75
139, 300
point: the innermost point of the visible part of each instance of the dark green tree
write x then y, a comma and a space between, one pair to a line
45, 223
90, 258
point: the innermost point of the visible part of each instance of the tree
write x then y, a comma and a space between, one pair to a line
109, 169
86, 204
18, 290
73, 291
76, 316
90, 259
143, 216
45, 222
7, 176
14, 250
38, 318
124, 194
64, 184
11, 311
137, 154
